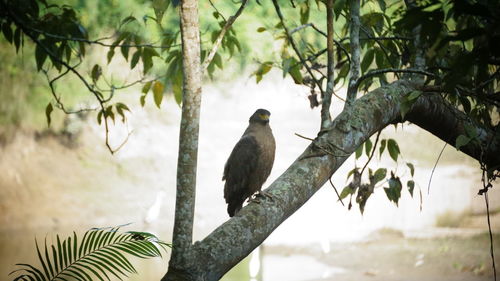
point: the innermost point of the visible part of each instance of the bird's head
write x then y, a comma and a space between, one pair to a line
260, 116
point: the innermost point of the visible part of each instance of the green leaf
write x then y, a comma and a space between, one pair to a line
367, 60
412, 168
17, 39
368, 147
40, 56
338, 6
345, 192
304, 13
262, 70
128, 20
261, 29
461, 141
7, 31
124, 49
470, 131
48, 112
158, 88
110, 55
393, 148
99, 117
379, 175
135, 58
394, 191
147, 58
382, 146
218, 60
351, 172
177, 89
146, 87
414, 95
160, 6
411, 185
121, 108
96, 72
359, 151
296, 75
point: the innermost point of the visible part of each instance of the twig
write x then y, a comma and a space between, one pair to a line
69, 68
217, 10
96, 41
223, 31
334, 188
491, 235
372, 73
339, 44
372, 153
324, 150
382, 47
434, 168
301, 136
294, 46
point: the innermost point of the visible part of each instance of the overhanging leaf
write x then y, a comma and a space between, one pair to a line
158, 88
461, 141
393, 148
48, 112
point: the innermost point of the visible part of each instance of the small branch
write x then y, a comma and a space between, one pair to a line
334, 188
223, 31
96, 41
301, 136
72, 69
217, 10
372, 73
372, 153
339, 44
294, 46
354, 70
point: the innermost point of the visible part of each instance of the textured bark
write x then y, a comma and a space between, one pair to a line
188, 141
327, 97
236, 238
354, 72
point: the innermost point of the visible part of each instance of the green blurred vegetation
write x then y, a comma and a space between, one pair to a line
25, 92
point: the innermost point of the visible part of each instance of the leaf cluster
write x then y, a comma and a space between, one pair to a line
101, 253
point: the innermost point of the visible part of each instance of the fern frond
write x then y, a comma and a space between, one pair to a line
99, 254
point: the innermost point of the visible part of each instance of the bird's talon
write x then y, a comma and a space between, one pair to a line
265, 195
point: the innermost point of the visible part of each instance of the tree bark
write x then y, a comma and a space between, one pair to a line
180, 261
236, 238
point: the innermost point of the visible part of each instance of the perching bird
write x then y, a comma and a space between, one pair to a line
250, 162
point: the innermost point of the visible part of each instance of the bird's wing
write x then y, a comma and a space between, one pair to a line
241, 163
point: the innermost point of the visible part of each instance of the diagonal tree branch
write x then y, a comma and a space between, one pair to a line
223, 31
369, 114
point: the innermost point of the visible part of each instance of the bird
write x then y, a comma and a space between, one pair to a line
249, 163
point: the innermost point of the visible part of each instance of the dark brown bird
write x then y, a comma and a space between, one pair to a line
250, 162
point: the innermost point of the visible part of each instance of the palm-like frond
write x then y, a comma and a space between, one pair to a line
100, 253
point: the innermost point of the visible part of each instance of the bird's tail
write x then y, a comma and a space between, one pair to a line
233, 208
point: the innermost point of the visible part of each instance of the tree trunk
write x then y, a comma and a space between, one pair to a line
236, 238
181, 261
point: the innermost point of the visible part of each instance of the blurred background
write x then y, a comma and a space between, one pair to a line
60, 179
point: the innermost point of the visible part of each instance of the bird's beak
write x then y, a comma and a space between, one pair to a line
264, 117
